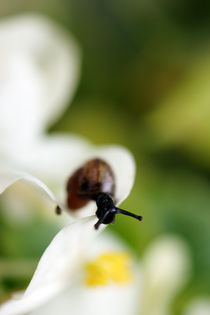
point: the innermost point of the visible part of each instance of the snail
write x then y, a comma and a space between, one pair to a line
95, 181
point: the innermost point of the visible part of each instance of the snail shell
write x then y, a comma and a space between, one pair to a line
87, 182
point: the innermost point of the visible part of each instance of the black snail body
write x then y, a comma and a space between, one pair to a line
95, 181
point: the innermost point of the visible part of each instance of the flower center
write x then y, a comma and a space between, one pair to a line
109, 267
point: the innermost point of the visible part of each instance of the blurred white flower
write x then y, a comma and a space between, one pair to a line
198, 306
74, 277
39, 66
39, 69
165, 270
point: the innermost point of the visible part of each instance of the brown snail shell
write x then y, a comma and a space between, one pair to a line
87, 182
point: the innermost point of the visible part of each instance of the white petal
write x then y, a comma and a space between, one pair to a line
53, 159
111, 299
39, 65
9, 177
166, 267
56, 268
198, 306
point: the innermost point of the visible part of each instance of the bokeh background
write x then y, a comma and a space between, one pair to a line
145, 84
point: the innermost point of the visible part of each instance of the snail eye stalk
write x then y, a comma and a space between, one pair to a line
130, 214
58, 210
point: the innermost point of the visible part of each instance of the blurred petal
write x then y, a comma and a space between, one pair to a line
57, 266
199, 306
110, 300
166, 267
9, 177
53, 159
39, 64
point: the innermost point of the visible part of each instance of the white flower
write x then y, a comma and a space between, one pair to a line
39, 66
165, 270
38, 72
63, 284
198, 306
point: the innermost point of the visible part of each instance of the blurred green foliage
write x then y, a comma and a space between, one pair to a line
145, 84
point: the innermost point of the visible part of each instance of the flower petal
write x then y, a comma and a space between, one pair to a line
53, 159
9, 177
198, 306
56, 268
166, 267
39, 65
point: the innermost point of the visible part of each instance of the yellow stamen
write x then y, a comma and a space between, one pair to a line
109, 267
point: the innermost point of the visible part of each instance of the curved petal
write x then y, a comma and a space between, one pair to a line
39, 65
57, 266
54, 158
9, 177
166, 266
